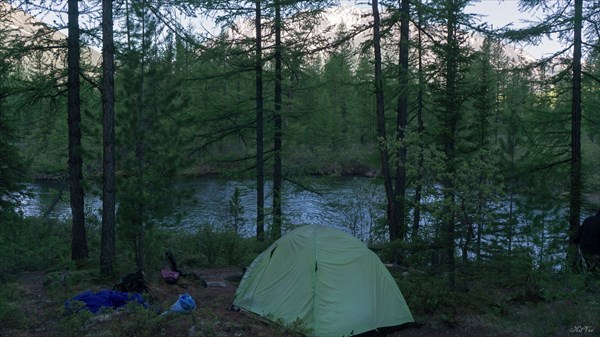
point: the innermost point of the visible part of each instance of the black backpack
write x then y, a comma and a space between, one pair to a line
133, 282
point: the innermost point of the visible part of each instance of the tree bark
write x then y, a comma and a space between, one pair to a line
381, 133
107, 244
79, 249
575, 193
140, 202
277, 174
399, 229
260, 175
449, 134
420, 131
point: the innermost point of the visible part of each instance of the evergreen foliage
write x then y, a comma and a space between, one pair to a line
151, 127
12, 170
486, 138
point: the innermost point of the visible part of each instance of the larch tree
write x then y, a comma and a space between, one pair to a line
232, 14
575, 25
420, 125
450, 118
152, 124
398, 227
448, 86
479, 178
380, 111
300, 15
12, 170
260, 164
277, 124
79, 249
575, 162
393, 148
108, 244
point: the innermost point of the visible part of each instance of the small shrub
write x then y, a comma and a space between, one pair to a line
10, 316
208, 243
74, 324
224, 247
429, 294
230, 247
137, 321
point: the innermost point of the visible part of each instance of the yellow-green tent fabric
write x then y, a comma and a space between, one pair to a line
325, 279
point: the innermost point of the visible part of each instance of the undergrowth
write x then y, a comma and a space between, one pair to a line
504, 295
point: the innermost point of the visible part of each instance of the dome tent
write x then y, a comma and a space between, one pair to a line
325, 278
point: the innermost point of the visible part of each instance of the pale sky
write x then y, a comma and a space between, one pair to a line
497, 13
502, 12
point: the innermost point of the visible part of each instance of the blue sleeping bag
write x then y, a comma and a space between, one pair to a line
93, 302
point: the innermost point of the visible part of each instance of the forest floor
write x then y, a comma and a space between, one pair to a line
39, 301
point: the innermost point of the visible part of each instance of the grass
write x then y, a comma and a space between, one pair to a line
10, 315
506, 298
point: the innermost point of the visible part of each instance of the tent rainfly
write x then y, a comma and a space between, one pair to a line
325, 279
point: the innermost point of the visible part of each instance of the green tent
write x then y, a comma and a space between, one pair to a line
327, 280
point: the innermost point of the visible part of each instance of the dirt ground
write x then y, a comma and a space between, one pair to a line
43, 313
211, 317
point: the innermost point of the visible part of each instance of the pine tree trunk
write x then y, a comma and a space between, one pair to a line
107, 244
575, 195
381, 133
277, 174
399, 220
139, 154
420, 131
260, 165
449, 134
79, 249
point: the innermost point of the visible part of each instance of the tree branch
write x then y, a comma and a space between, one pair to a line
591, 76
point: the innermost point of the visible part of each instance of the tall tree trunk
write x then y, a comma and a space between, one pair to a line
575, 195
260, 165
139, 154
107, 244
277, 175
381, 134
399, 221
420, 131
79, 249
449, 132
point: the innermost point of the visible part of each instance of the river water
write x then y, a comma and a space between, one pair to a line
351, 203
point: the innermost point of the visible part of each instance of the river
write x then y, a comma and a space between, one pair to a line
351, 203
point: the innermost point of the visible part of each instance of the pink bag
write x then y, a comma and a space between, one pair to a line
169, 276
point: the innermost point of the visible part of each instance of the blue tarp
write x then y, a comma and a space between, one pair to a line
103, 299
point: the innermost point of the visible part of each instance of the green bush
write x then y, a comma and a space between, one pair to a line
223, 247
209, 243
10, 315
416, 254
208, 246
33, 244
428, 294
74, 324
137, 321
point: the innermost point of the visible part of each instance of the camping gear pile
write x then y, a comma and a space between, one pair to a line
129, 289
325, 279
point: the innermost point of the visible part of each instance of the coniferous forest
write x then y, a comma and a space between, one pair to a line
488, 158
